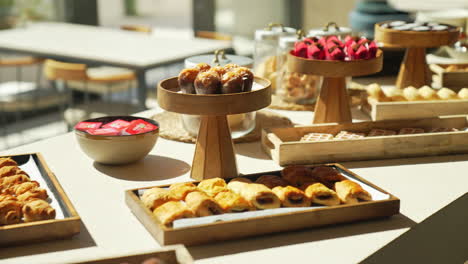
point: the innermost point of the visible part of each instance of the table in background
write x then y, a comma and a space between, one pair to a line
90, 44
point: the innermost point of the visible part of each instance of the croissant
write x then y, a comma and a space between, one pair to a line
258, 195
7, 162
291, 196
297, 175
320, 194
155, 197
202, 205
212, 186
10, 171
231, 202
24, 187
181, 189
327, 175
37, 193
36, 210
351, 192
271, 181
10, 210
171, 211
10, 181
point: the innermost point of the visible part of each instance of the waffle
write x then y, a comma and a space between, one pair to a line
410, 130
313, 137
443, 129
349, 135
381, 132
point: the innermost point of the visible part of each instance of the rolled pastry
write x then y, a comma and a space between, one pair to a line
10, 210
240, 179
320, 194
291, 196
202, 205
411, 94
232, 202
156, 197
171, 211
181, 189
10, 171
271, 181
212, 186
10, 181
351, 192
186, 80
26, 186
7, 162
427, 93
446, 94
463, 93
327, 175
37, 193
36, 210
258, 195
297, 175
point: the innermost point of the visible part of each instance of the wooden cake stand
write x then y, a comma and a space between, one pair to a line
214, 151
333, 103
414, 70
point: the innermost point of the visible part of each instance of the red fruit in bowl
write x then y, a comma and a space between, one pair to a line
316, 52
334, 53
372, 50
300, 49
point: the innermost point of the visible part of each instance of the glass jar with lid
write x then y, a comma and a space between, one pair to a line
294, 87
266, 45
240, 124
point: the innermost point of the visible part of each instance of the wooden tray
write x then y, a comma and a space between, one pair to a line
225, 230
23, 233
454, 80
413, 110
283, 144
176, 254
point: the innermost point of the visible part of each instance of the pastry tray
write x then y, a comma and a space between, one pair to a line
454, 80
283, 144
67, 221
232, 226
176, 254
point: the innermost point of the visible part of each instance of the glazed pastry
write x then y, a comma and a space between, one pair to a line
256, 194
232, 82
10, 181
153, 261
186, 80
202, 67
320, 194
241, 179
181, 189
36, 210
427, 93
291, 196
463, 93
313, 137
10, 171
171, 211
271, 181
351, 192
394, 94
446, 94
411, 94
7, 162
208, 83
38, 193
10, 210
296, 175
344, 135
247, 78
327, 175
202, 205
376, 132
410, 130
232, 202
29, 186
219, 70
155, 197
212, 186
230, 67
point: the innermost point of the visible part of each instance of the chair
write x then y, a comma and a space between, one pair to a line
91, 81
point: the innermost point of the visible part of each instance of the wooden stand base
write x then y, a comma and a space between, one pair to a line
332, 104
214, 152
414, 70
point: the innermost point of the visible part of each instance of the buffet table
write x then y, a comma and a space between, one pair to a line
424, 186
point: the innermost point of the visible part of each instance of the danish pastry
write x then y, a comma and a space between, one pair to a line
291, 196
202, 205
327, 175
271, 181
155, 197
36, 210
7, 162
258, 195
171, 211
10, 210
351, 192
212, 186
297, 175
232, 202
320, 194
181, 189
10, 171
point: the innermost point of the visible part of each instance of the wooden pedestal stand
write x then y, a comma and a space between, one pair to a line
214, 151
332, 104
414, 70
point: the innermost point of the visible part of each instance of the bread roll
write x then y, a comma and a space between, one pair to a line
351, 192
232, 202
321, 194
202, 205
256, 194
411, 94
171, 211
155, 197
291, 196
181, 189
463, 93
446, 94
427, 93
